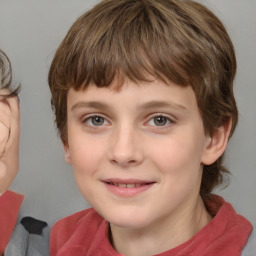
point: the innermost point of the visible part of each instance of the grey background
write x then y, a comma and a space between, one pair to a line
30, 32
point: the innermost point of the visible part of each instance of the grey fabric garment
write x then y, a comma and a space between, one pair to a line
250, 248
24, 244
18, 242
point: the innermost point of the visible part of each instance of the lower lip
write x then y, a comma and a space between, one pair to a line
127, 192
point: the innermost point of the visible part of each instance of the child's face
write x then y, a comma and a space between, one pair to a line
9, 139
137, 154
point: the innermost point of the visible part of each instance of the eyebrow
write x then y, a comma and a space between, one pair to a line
144, 106
162, 104
89, 104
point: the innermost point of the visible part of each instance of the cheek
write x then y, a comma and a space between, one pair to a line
180, 169
85, 155
4, 135
178, 157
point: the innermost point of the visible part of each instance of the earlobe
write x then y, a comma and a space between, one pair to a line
67, 153
217, 143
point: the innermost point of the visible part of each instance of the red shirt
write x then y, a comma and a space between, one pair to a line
10, 203
86, 233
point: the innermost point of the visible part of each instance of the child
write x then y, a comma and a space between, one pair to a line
23, 239
9, 126
143, 96
10, 202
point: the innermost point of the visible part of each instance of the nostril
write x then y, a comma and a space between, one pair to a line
125, 155
123, 162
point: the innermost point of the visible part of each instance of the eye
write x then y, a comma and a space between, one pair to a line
159, 121
96, 121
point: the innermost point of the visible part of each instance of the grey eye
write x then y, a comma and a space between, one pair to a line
97, 120
160, 120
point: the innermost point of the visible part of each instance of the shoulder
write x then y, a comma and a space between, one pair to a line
73, 229
71, 223
250, 247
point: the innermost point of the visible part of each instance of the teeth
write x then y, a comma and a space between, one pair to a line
126, 185
130, 185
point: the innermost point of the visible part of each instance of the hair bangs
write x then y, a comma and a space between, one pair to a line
131, 45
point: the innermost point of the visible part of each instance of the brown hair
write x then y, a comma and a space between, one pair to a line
6, 75
171, 40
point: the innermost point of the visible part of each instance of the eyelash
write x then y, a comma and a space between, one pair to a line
166, 124
90, 118
89, 121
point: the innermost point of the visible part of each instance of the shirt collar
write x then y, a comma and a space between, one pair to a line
10, 203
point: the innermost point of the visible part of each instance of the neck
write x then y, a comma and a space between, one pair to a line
168, 233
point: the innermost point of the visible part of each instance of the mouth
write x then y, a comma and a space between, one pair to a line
128, 185
127, 188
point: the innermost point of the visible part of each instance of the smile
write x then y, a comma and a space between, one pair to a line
122, 185
127, 188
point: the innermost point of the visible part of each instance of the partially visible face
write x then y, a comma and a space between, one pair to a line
5, 177
9, 140
137, 154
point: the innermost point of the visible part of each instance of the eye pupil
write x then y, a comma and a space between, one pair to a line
97, 120
160, 120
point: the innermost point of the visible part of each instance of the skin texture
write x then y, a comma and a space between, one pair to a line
145, 133
9, 140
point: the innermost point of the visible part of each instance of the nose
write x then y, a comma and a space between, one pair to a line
125, 147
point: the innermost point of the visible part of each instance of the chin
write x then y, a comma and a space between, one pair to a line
131, 220
128, 224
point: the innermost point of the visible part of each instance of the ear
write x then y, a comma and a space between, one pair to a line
217, 143
67, 153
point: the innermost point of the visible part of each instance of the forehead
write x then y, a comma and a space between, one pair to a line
144, 94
